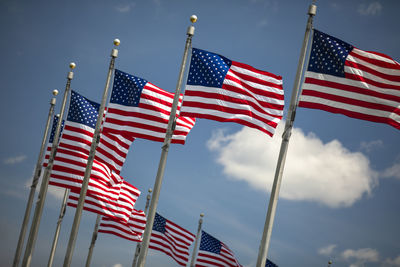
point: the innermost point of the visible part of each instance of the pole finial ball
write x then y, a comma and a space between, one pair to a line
150, 190
201, 214
117, 42
55, 92
193, 18
72, 65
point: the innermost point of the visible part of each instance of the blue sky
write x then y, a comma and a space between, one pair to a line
339, 199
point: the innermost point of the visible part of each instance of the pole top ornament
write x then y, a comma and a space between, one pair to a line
193, 18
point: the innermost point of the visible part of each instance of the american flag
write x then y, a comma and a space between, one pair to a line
269, 263
213, 252
73, 149
171, 239
229, 91
132, 230
51, 138
106, 188
140, 109
117, 205
344, 79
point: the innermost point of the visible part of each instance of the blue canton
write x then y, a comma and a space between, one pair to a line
207, 69
53, 128
159, 223
328, 54
210, 243
82, 110
127, 89
270, 264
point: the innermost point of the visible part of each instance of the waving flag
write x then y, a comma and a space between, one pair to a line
213, 252
117, 205
171, 239
132, 230
140, 109
344, 79
228, 91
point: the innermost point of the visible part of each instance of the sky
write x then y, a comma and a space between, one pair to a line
339, 198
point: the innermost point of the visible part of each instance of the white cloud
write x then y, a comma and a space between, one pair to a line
374, 8
325, 173
392, 172
56, 192
392, 262
117, 265
370, 146
14, 160
125, 8
361, 256
327, 251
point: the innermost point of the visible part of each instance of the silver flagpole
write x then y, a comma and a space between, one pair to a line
95, 142
35, 181
194, 254
94, 238
137, 251
45, 180
265, 241
164, 150
58, 228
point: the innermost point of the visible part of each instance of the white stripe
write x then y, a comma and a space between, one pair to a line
372, 55
257, 75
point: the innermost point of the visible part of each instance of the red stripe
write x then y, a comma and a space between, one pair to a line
377, 62
350, 88
247, 78
351, 101
266, 73
351, 114
371, 70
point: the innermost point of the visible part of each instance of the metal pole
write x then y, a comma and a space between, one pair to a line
164, 151
137, 251
194, 254
265, 241
58, 228
95, 142
45, 180
35, 181
94, 237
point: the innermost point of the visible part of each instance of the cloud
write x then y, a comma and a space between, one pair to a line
392, 262
327, 251
14, 160
392, 172
370, 146
374, 8
326, 173
125, 8
361, 256
117, 265
56, 192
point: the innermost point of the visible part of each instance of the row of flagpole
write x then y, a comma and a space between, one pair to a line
264, 245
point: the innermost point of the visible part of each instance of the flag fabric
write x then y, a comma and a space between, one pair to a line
213, 252
229, 91
51, 138
118, 206
171, 239
74, 147
269, 263
140, 109
131, 230
343, 79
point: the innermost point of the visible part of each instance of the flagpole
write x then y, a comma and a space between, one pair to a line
265, 241
45, 180
194, 254
95, 142
35, 181
137, 251
58, 228
164, 151
94, 238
